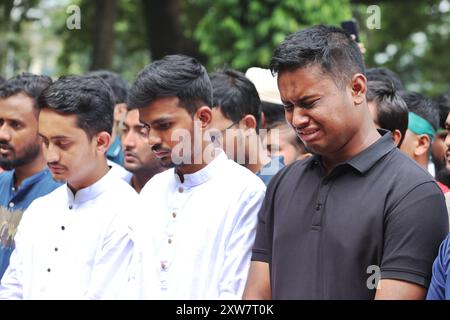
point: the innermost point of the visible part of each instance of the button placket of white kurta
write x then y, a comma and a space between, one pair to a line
175, 203
61, 235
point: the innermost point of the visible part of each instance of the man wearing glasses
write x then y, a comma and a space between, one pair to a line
236, 101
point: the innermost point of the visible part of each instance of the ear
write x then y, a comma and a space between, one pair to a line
423, 145
102, 141
204, 114
249, 121
120, 110
263, 121
358, 88
396, 137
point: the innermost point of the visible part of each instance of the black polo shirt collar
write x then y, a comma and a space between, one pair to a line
367, 158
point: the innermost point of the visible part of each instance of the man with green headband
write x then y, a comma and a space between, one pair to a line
423, 121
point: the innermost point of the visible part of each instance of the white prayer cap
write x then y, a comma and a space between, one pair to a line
265, 84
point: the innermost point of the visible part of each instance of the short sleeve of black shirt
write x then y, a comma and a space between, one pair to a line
410, 229
264, 231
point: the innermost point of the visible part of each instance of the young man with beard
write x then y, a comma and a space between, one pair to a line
76, 242
27, 177
138, 156
447, 160
440, 283
358, 219
439, 148
200, 214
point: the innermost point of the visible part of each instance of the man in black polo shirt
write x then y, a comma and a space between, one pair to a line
359, 220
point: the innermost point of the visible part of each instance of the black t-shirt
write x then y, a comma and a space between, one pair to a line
332, 236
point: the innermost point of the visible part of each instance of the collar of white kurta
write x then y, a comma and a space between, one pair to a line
91, 192
212, 169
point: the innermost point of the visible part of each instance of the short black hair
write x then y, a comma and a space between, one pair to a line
30, 84
442, 102
392, 111
173, 76
118, 85
385, 75
236, 95
89, 98
273, 113
421, 106
330, 47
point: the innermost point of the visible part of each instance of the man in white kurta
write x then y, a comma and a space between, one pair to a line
199, 216
73, 247
203, 230
76, 242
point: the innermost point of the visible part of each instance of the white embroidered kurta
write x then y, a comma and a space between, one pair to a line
203, 231
74, 247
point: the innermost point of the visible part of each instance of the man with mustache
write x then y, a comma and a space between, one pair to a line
439, 148
358, 219
200, 215
138, 156
440, 283
27, 177
76, 242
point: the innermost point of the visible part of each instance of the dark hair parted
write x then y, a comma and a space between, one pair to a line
236, 95
421, 106
392, 112
329, 47
119, 86
273, 113
30, 84
89, 98
173, 76
385, 75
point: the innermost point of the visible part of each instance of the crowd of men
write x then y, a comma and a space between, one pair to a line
314, 179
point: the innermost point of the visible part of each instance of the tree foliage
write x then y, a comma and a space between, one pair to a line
130, 52
12, 18
413, 38
244, 33
413, 41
